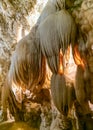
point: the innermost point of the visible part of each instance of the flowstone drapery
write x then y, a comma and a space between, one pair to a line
64, 28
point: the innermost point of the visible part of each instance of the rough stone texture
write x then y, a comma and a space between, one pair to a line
32, 114
46, 116
12, 16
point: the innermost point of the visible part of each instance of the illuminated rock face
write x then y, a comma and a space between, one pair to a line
15, 26
17, 18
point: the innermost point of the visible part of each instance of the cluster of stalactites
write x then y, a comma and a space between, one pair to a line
56, 35
50, 38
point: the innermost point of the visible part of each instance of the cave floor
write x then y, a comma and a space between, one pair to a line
11, 125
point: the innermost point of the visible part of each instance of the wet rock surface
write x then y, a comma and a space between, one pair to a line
10, 125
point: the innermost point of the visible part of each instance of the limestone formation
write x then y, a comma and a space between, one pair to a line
76, 97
